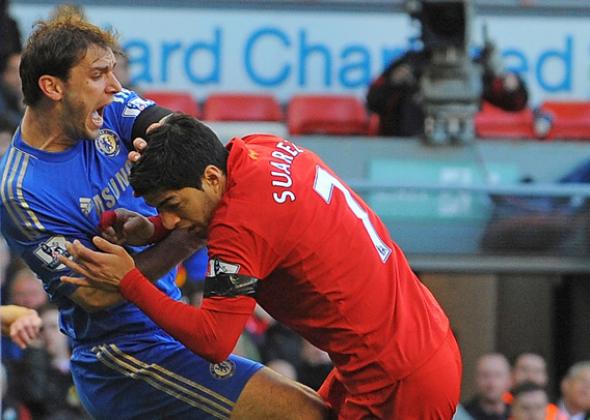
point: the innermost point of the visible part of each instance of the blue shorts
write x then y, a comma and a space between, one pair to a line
153, 376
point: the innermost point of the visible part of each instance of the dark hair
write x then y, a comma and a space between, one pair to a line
55, 47
527, 387
176, 156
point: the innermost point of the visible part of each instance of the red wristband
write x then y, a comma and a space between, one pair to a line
130, 282
160, 232
107, 219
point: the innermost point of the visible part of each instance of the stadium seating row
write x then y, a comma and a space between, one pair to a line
346, 115
306, 114
567, 120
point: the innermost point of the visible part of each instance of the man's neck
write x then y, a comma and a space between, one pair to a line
491, 407
40, 129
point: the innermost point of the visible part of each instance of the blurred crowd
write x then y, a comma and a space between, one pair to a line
521, 391
36, 380
37, 383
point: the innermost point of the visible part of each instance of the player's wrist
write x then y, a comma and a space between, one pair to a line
160, 232
130, 282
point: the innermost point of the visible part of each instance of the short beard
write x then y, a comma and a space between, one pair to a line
74, 124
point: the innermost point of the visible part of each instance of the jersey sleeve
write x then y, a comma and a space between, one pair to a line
211, 331
247, 250
39, 251
123, 111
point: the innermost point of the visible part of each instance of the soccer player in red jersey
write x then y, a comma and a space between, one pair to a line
284, 231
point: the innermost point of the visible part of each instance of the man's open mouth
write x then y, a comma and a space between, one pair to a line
97, 116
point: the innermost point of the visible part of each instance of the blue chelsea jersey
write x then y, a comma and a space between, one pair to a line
50, 198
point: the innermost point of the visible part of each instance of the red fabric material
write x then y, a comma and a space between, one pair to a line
210, 331
319, 264
160, 232
439, 379
107, 219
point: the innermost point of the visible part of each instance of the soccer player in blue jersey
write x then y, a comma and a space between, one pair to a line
66, 165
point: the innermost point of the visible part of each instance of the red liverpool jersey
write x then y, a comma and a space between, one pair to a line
326, 263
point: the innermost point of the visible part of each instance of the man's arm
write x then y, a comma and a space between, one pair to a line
159, 259
147, 117
21, 324
154, 262
93, 300
210, 331
501, 88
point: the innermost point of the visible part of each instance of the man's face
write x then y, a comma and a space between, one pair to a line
190, 208
88, 90
576, 390
27, 290
492, 378
11, 76
530, 368
530, 406
187, 208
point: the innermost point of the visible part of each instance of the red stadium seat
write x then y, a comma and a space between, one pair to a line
175, 101
493, 122
242, 107
571, 119
327, 114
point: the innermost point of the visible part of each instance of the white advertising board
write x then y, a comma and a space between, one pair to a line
287, 52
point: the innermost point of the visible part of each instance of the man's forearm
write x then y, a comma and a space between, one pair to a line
210, 331
159, 259
9, 314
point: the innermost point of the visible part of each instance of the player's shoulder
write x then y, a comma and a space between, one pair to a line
127, 103
262, 138
265, 142
15, 166
18, 211
252, 141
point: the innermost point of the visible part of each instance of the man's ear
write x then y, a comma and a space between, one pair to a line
52, 87
213, 176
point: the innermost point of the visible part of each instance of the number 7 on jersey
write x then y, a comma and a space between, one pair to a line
324, 185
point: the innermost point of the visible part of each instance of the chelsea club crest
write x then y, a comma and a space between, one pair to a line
223, 370
107, 142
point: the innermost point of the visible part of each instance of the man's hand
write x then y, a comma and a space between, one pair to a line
140, 144
403, 75
25, 329
23, 325
122, 226
101, 270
